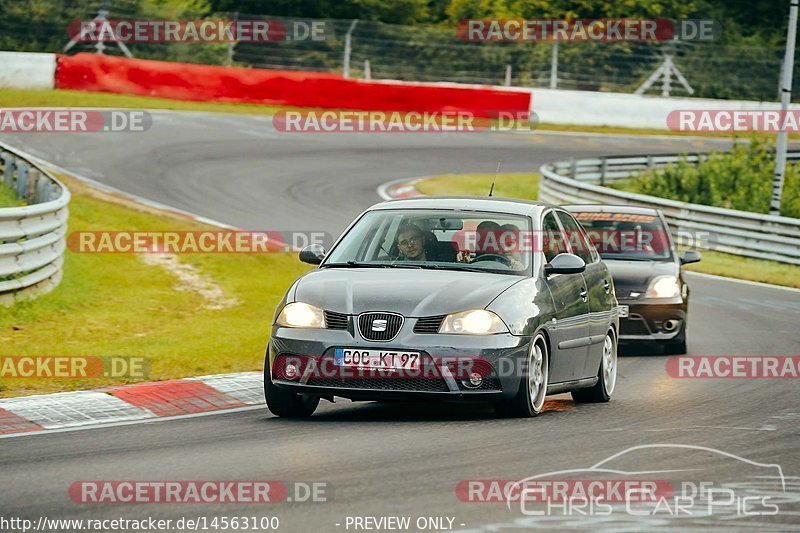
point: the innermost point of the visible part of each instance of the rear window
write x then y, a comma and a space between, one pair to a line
626, 236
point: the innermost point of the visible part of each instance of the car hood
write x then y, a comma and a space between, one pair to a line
636, 275
410, 292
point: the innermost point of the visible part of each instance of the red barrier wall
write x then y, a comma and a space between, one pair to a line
182, 81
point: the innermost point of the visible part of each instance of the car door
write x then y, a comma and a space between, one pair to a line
599, 287
571, 330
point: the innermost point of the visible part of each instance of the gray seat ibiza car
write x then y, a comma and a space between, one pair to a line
465, 299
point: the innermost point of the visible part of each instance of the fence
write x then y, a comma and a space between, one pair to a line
735, 232
32, 236
717, 69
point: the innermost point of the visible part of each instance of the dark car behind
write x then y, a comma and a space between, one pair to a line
636, 244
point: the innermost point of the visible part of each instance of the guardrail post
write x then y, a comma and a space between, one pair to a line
33, 182
41, 192
9, 170
573, 168
22, 180
650, 163
603, 170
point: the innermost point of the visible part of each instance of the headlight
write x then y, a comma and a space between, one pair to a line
664, 287
477, 322
300, 315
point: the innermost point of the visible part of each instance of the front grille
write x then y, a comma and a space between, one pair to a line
379, 326
335, 320
633, 326
388, 384
428, 324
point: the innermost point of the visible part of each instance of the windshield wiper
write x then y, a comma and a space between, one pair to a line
354, 264
465, 267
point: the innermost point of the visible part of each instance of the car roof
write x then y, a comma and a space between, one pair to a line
515, 206
595, 208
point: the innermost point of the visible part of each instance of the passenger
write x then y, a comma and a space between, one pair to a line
507, 245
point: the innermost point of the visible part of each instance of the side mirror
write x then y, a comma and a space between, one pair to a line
690, 256
313, 254
565, 264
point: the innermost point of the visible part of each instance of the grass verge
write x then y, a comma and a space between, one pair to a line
7, 197
66, 98
526, 186
116, 304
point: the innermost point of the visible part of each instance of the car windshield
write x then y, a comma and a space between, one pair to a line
628, 236
447, 240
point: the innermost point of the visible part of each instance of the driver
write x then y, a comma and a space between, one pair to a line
411, 243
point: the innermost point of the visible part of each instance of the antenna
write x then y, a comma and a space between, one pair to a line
491, 189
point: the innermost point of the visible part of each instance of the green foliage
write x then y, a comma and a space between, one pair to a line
741, 179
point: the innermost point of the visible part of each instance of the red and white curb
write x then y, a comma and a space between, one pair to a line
130, 403
402, 188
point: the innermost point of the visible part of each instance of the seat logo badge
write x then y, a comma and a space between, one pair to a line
379, 325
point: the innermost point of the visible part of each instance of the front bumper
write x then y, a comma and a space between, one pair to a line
647, 317
505, 353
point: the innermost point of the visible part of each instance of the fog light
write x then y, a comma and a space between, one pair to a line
475, 380
290, 371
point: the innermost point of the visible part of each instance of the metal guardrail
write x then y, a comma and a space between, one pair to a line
735, 232
32, 236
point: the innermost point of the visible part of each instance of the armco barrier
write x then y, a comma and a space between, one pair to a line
32, 237
182, 81
27, 70
589, 108
736, 232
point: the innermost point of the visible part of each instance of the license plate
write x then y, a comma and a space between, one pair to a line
623, 311
380, 359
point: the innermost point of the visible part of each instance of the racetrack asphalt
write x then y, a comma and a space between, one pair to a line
406, 459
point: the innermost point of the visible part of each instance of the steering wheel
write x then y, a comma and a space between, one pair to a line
493, 257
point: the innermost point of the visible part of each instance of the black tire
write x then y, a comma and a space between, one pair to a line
285, 403
601, 392
521, 405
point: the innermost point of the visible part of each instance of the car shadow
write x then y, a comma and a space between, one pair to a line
346, 411
633, 350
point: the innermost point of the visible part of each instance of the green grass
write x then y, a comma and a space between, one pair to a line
733, 266
526, 186
66, 98
115, 304
510, 185
7, 197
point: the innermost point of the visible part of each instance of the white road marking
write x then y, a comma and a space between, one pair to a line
134, 422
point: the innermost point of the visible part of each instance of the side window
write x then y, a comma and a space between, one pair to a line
553, 242
578, 239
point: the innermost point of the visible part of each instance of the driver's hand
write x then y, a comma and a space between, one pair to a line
463, 256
